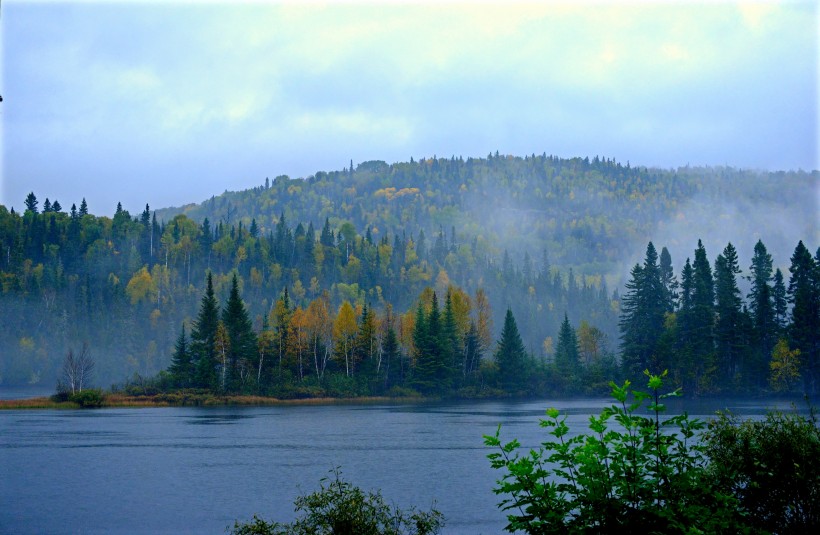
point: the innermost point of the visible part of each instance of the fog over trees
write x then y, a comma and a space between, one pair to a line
402, 276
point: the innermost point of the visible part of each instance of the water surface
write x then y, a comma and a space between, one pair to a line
196, 470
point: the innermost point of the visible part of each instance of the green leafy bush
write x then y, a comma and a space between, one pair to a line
772, 466
339, 507
629, 474
88, 398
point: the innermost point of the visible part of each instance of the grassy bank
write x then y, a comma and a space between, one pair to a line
197, 399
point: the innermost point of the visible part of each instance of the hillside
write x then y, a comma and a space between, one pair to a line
541, 235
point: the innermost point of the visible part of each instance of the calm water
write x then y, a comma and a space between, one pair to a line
196, 470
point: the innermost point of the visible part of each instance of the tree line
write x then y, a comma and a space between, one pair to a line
700, 327
125, 284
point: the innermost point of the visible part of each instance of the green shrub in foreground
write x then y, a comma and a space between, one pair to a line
629, 474
772, 466
340, 508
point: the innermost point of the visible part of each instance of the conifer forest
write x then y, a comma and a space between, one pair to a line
473, 277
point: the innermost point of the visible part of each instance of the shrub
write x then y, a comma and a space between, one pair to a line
643, 475
338, 507
88, 398
772, 466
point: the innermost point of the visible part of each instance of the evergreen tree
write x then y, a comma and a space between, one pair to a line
473, 349
684, 366
280, 320
391, 355
779, 301
450, 345
702, 326
364, 345
430, 374
804, 295
511, 356
242, 338
31, 203
56, 208
668, 281
203, 338
642, 319
728, 308
181, 368
761, 309
567, 358
83, 208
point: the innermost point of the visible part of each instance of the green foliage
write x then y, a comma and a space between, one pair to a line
510, 356
629, 474
341, 508
772, 466
88, 399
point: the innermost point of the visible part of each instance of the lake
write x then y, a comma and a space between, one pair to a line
196, 470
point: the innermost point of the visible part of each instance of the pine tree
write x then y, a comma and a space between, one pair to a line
241, 335
761, 309
779, 302
31, 203
642, 319
511, 356
702, 327
473, 349
567, 358
203, 338
684, 366
728, 307
391, 355
83, 208
430, 374
364, 345
804, 295
668, 281
181, 367
450, 344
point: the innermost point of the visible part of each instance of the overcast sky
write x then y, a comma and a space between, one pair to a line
159, 103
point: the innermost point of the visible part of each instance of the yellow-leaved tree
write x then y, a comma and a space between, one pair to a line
784, 367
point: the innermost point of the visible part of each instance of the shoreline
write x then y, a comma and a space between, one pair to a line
113, 401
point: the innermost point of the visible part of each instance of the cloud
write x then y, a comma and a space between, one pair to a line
298, 88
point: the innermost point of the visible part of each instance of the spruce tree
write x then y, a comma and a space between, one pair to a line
391, 355
642, 318
761, 309
203, 338
668, 281
31, 203
702, 328
450, 345
241, 335
728, 308
472, 350
780, 301
181, 368
804, 295
364, 345
430, 373
567, 358
511, 356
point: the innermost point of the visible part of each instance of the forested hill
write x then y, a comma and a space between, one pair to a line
538, 235
585, 212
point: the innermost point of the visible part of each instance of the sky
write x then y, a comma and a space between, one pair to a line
168, 103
